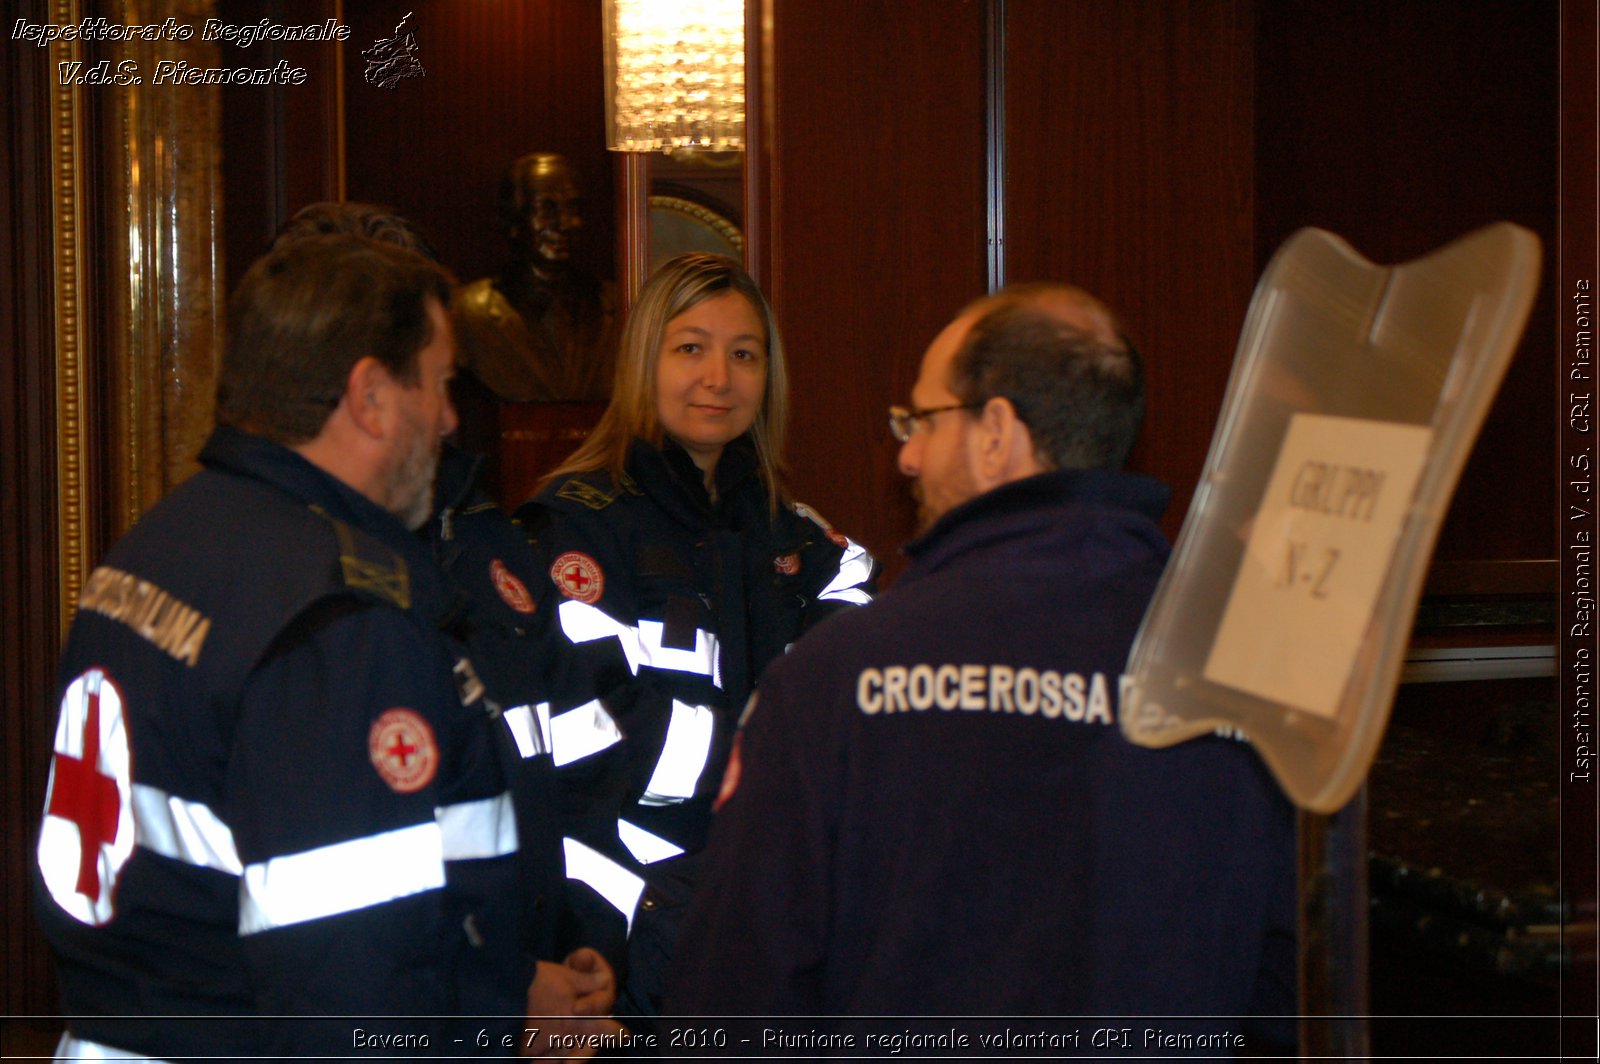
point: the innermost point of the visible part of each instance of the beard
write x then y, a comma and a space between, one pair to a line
410, 483
925, 515
956, 487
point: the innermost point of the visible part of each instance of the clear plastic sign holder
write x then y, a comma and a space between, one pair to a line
1356, 396
1357, 393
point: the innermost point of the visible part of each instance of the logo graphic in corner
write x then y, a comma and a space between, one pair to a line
403, 750
512, 590
787, 564
578, 576
87, 835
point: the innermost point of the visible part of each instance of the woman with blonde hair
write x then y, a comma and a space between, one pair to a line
683, 568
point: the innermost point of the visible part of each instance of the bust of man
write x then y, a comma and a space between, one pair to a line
544, 330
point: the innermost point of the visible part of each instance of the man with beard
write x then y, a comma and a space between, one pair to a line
274, 796
932, 812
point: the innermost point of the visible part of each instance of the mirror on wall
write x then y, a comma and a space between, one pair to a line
491, 137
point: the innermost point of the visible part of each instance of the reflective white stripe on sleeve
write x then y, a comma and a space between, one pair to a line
583, 623
530, 727
645, 847
683, 755
70, 1048
342, 878
855, 566
183, 830
475, 830
610, 880
577, 733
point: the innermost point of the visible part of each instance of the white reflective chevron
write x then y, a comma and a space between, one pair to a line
183, 830
855, 566
610, 880
530, 728
577, 733
647, 848
683, 755
583, 623
472, 831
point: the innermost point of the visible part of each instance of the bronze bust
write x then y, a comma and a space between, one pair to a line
544, 330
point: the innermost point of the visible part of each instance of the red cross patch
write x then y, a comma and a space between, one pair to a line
512, 590
787, 564
87, 836
402, 749
578, 576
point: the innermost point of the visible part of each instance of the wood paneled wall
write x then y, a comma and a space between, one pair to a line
1129, 140
876, 228
1401, 127
501, 80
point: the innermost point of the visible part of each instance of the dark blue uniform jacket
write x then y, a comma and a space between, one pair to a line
937, 814
276, 789
673, 604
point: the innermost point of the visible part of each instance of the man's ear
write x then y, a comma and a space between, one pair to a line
1005, 446
366, 396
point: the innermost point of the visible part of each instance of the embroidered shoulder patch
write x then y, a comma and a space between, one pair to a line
585, 494
512, 590
403, 750
368, 565
578, 576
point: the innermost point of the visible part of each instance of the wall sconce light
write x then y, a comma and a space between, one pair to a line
675, 75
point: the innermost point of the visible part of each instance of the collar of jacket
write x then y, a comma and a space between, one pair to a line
1033, 503
455, 487
232, 451
669, 476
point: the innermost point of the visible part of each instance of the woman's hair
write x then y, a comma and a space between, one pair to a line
680, 283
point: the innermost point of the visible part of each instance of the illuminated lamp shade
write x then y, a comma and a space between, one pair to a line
675, 75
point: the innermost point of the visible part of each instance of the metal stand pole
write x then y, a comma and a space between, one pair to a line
1334, 989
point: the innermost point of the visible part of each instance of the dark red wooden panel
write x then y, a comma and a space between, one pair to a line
876, 230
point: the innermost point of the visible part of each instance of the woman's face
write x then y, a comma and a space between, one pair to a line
711, 375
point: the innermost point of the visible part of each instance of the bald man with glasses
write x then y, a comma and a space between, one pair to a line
948, 820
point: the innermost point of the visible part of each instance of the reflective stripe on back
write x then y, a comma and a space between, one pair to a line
475, 830
183, 830
647, 848
855, 567
71, 1048
341, 878
642, 646
610, 880
530, 728
683, 755
577, 733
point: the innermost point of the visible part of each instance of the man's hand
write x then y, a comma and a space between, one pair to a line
569, 1005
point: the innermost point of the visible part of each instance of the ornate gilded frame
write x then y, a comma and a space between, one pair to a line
66, 148
157, 162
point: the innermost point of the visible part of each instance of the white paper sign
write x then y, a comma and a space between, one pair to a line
1322, 541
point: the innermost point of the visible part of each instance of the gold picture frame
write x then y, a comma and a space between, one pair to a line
158, 168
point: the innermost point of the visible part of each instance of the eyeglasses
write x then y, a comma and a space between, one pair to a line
903, 420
